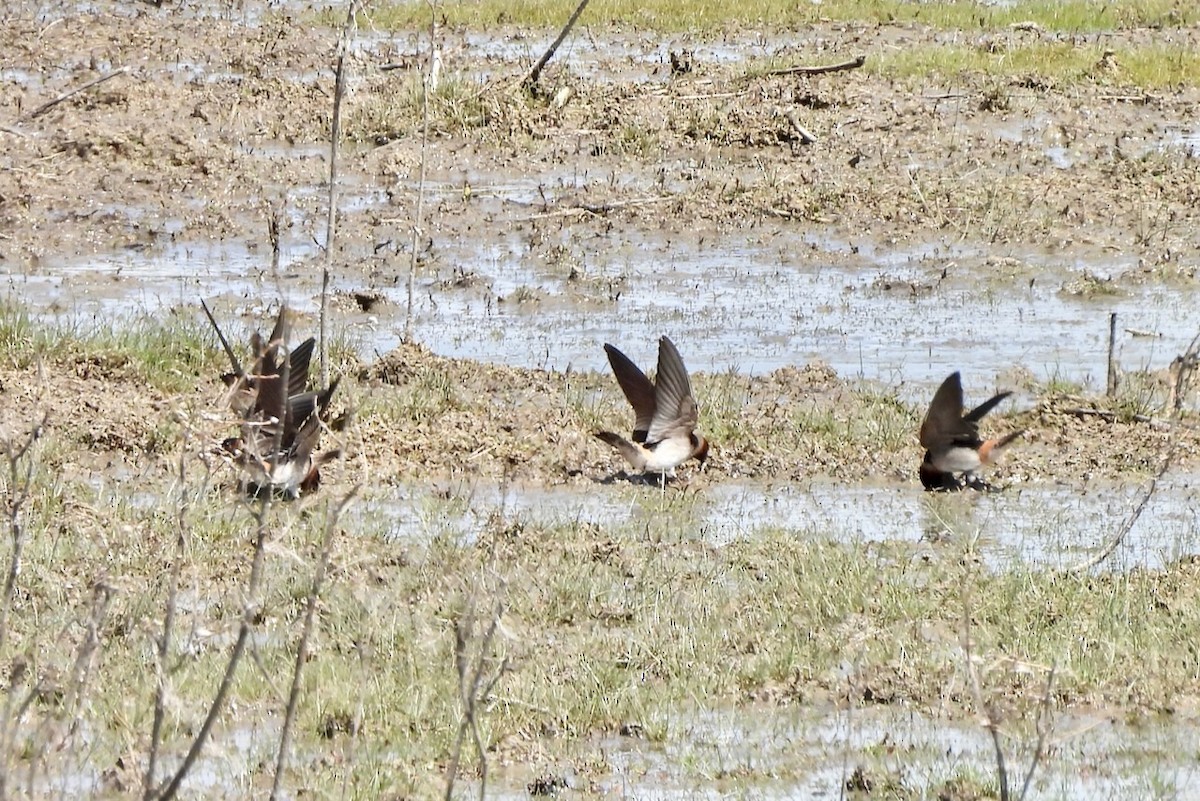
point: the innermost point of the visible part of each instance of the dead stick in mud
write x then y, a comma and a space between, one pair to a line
806, 137
842, 66
536, 72
597, 209
1112, 350
233, 359
42, 109
339, 91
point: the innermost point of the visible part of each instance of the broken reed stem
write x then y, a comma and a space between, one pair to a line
164, 641
1112, 359
310, 613
535, 73
335, 134
420, 210
249, 613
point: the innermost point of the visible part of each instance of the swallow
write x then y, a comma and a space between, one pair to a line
282, 419
665, 413
951, 439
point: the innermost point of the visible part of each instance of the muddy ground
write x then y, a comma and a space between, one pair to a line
214, 126
215, 122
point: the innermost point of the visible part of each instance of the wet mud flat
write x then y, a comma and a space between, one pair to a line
943, 221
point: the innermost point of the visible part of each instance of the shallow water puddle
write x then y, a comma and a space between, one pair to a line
1040, 525
753, 301
790, 752
755, 307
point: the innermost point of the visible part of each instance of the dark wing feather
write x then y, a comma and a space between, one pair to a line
976, 414
298, 361
675, 410
943, 421
637, 388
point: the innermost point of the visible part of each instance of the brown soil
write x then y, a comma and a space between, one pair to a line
180, 149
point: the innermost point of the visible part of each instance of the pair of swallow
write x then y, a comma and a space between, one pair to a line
665, 413
951, 439
281, 417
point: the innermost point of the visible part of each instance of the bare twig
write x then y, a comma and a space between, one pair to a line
42, 109
535, 72
20, 482
841, 66
18, 452
310, 613
596, 209
1112, 354
249, 614
418, 215
806, 136
1180, 376
1045, 723
81, 673
164, 640
990, 720
335, 134
1109, 416
1132, 518
473, 653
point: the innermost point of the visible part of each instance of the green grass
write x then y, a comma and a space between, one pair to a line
714, 15
1151, 67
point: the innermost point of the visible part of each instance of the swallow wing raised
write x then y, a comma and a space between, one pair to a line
943, 422
675, 409
637, 388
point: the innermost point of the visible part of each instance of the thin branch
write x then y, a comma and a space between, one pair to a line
335, 134
82, 671
42, 109
985, 709
418, 215
1172, 446
841, 66
1043, 732
249, 613
535, 73
310, 613
164, 640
